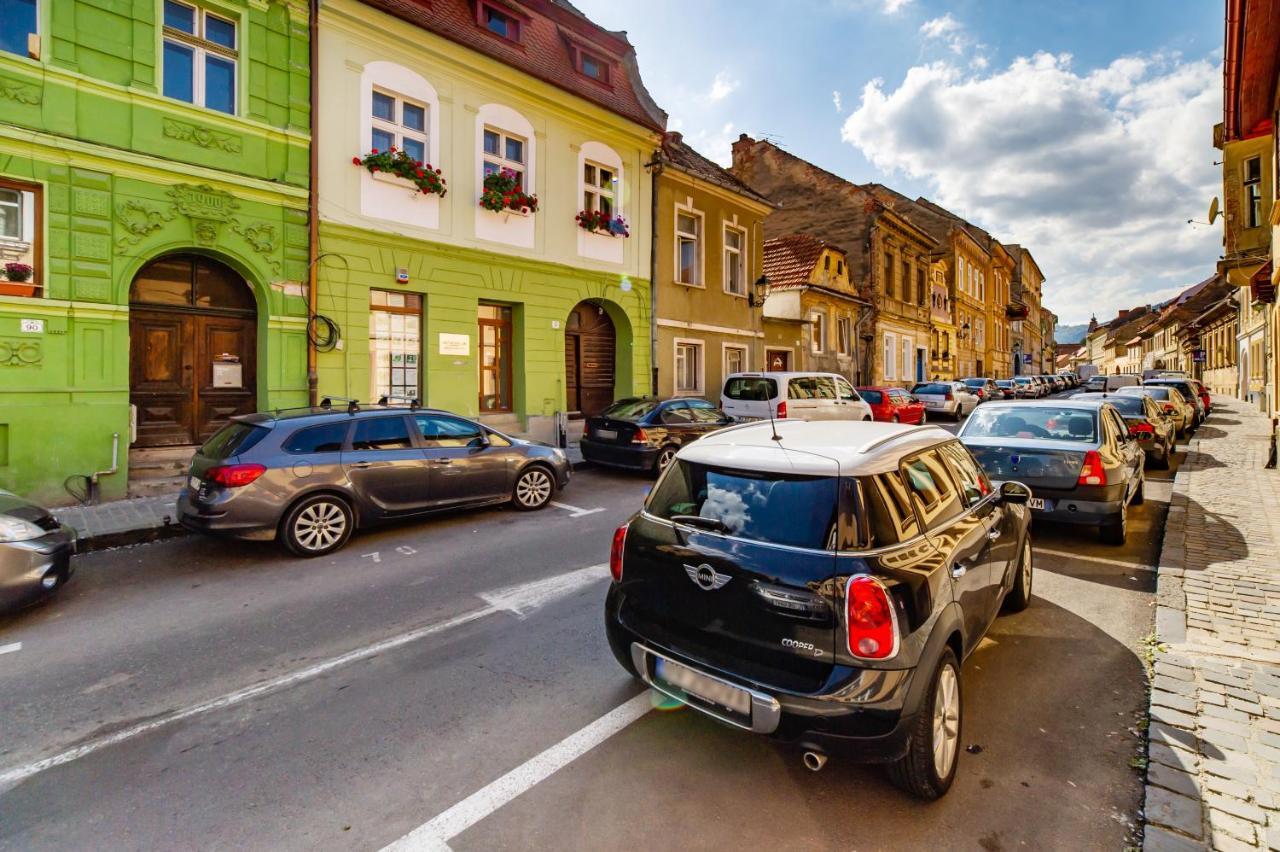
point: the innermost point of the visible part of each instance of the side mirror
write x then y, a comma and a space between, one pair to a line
1014, 492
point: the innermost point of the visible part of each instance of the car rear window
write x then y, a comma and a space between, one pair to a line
872, 397
1130, 403
233, 439
751, 389
933, 388
975, 383
631, 409
317, 439
799, 511
1027, 421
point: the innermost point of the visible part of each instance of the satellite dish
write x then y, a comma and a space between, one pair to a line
1213, 209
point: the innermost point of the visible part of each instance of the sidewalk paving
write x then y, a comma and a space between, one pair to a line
1213, 777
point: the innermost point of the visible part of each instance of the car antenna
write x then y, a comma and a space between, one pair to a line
772, 424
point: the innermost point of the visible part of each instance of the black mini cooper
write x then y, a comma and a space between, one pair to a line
820, 583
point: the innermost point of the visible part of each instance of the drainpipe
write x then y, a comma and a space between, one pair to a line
656, 165
92, 491
313, 202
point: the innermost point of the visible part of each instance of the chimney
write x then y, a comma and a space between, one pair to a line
675, 137
741, 150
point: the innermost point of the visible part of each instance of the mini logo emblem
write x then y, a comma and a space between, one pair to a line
706, 577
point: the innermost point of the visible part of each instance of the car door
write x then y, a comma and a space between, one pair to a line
958, 534
981, 497
706, 417
851, 406
386, 468
829, 405
675, 419
1130, 447
466, 466
802, 398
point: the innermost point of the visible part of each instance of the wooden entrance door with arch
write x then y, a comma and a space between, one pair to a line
192, 349
590, 346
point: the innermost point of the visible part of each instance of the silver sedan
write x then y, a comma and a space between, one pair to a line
35, 552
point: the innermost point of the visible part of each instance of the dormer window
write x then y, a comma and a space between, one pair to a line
498, 21
593, 67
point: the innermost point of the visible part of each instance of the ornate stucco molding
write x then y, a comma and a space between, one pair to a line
23, 93
204, 137
20, 352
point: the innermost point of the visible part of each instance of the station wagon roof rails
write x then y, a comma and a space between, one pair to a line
885, 439
414, 403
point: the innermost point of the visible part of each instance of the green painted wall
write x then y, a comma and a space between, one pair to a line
127, 176
453, 281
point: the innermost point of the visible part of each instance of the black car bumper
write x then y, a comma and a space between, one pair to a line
634, 456
32, 569
1085, 512
863, 714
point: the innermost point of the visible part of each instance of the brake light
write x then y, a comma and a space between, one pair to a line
873, 632
640, 437
1168, 408
1092, 472
1142, 431
782, 409
234, 475
948, 396
615, 553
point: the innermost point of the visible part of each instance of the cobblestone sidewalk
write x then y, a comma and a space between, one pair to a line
1213, 779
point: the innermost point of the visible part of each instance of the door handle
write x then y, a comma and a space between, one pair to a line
958, 571
442, 461
362, 465
994, 534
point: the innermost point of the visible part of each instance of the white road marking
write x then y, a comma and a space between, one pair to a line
1119, 563
375, 556
574, 511
10, 648
434, 836
518, 600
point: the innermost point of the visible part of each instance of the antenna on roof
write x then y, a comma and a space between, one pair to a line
772, 425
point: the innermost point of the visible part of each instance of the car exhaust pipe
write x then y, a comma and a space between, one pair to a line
813, 761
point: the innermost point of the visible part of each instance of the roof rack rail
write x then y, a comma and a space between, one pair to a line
384, 401
884, 439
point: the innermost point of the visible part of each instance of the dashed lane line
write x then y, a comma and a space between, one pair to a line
11, 648
575, 511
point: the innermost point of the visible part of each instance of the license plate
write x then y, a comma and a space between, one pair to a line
193, 483
747, 419
929, 404
606, 434
700, 686
1036, 503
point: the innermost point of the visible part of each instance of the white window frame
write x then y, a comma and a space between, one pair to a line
398, 130
890, 357
700, 347
201, 48
735, 257
1252, 191
500, 159
844, 335
908, 359
725, 349
593, 193
817, 332
698, 240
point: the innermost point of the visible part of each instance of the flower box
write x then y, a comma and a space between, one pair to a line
595, 222
15, 288
395, 166
502, 194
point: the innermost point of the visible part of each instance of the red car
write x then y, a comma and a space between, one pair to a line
893, 405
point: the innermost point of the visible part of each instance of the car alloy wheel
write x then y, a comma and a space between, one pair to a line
924, 417
946, 721
533, 488
318, 526
665, 458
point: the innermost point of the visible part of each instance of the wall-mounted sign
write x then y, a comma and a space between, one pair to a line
30, 326
455, 344
402, 275
228, 374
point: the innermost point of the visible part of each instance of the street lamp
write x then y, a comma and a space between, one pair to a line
759, 292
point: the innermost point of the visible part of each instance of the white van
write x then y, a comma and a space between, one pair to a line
1110, 383
799, 396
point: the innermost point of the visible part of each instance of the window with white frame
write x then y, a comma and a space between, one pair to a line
600, 187
818, 330
844, 335
503, 150
688, 247
735, 274
201, 54
399, 122
980, 332
688, 372
21, 210
890, 357
1253, 192
908, 357
735, 359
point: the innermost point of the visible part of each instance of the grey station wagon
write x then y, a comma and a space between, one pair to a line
309, 477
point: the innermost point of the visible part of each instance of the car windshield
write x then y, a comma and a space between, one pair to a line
1004, 383
931, 388
751, 388
1130, 404
975, 383
232, 439
1027, 421
631, 409
1023, 381
799, 511
1145, 390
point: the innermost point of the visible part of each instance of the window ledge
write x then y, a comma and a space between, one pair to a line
506, 214
691, 286
396, 180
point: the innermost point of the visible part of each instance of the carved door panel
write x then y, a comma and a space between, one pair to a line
589, 359
226, 372
161, 377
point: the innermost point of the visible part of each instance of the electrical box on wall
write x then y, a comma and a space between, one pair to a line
402, 275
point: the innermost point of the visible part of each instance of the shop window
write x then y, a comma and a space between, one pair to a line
21, 255
395, 345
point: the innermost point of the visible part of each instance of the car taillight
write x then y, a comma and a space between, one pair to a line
948, 396
873, 631
234, 475
1092, 471
1142, 431
782, 409
615, 553
1169, 409
640, 437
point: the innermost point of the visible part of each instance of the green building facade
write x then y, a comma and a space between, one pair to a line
153, 177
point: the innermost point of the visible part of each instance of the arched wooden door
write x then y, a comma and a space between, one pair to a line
192, 348
589, 351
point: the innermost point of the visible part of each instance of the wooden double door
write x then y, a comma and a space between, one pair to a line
192, 353
589, 352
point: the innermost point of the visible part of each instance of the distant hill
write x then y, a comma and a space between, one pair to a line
1070, 333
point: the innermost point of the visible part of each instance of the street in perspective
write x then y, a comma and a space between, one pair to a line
421, 430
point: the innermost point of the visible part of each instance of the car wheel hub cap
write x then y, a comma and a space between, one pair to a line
1026, 568
534, 488
319, 526
946, 721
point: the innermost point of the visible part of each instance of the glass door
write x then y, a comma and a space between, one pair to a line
495, 359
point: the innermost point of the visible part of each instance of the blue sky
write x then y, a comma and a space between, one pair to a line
1082, 129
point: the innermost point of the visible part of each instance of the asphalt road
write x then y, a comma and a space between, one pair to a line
200, 693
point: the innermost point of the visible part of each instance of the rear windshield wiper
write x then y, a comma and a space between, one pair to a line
713, 524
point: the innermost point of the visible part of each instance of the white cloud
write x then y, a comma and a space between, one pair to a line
1095, 172
947, 30
714, 144
835, 99
722, 86
892, 7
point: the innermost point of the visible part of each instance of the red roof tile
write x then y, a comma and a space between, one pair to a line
789, 260
549, 29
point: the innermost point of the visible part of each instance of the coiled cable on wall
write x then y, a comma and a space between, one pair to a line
323, 332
